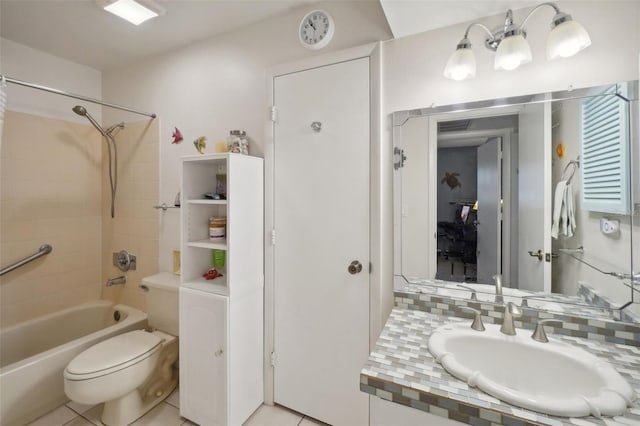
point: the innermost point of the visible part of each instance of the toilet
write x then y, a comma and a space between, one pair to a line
134, 371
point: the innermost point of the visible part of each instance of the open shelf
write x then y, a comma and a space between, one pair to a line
215, 286
206, 201
208, 244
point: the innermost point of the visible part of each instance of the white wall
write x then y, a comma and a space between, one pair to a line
34, 66
213, 86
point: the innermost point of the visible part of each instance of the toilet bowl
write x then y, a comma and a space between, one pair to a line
132, 372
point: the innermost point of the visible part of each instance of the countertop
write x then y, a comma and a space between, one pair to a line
401, 369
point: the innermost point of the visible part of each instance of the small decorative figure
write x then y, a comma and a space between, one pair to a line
452, 180
560, 150
177, 136
211, 274
200, 144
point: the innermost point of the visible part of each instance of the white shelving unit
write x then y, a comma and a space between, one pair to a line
221, 320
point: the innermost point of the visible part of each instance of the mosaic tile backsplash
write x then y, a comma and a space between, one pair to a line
401, 369
583, 322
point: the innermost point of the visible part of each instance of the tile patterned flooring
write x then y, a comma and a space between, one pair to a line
167, 413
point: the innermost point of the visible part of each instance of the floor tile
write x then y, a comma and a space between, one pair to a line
308, 421
79, 408
162, 415
174, 398
57, 417
94, 414
79, 421
189, 423
268, 415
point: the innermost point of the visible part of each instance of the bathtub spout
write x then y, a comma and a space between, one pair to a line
119, 280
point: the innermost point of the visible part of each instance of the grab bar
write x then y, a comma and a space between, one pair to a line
43, 250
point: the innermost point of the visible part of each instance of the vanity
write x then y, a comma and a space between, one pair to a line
401, 370
465, 256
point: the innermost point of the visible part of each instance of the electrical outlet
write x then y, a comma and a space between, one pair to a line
609, 226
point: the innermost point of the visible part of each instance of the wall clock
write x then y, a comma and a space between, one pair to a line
316, 29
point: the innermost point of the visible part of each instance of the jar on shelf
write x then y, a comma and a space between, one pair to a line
238, 142
217, 228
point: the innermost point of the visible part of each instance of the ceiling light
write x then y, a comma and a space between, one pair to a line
566, 38
134, 11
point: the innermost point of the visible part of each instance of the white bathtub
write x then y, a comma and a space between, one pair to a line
33, 355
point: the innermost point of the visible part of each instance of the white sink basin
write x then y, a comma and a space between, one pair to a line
553, 378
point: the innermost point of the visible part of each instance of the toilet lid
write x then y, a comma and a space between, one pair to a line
113, 354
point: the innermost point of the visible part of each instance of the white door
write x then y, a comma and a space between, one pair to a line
534, 197
321, 216
489, 241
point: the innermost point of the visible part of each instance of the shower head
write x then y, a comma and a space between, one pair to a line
80, 110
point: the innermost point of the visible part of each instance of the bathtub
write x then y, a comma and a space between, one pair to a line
33, 354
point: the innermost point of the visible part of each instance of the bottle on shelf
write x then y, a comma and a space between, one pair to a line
217, 228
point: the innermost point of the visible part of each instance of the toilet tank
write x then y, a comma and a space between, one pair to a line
162, 301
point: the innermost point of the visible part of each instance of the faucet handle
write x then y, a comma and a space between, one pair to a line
539, 334
525, 299
477, 318
514, 309
474, 295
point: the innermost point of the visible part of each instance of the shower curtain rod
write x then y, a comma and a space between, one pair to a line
72, 95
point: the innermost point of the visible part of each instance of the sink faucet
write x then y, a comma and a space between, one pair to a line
119, 280
497, 278
511, 310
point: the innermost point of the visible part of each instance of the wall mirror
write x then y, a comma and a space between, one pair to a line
537, 189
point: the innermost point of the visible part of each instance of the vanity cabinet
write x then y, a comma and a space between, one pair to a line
221, 320
386, 413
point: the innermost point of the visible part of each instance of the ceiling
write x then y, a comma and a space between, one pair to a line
81, 32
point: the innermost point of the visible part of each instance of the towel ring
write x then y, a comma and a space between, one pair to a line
576, 165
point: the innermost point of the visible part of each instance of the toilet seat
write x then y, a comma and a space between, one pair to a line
112, 355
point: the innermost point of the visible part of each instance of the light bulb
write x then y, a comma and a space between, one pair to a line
566, 39
512, 52
462, 63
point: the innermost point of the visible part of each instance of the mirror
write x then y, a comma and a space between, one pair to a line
521, 188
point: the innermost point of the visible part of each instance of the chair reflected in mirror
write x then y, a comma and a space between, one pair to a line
457, 240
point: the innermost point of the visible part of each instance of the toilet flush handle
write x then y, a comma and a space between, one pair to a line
144, 288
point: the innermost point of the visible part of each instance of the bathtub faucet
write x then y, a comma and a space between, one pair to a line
119, 280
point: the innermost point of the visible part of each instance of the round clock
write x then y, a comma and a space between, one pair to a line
316, 29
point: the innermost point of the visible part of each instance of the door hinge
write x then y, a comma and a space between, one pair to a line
401, 158
273, 237
273, 359
370, 267
273, 113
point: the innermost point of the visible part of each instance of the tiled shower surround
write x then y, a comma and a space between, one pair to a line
401, 369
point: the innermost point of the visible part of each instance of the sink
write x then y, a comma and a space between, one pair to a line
553, 378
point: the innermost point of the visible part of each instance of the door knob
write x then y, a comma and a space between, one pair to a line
539, 254
355, 267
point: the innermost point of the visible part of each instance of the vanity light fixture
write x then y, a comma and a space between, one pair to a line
134, 11
567, 37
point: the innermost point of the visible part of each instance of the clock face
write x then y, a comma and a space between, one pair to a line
316, 29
